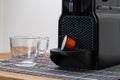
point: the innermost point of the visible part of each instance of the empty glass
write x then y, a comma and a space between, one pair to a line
24, 50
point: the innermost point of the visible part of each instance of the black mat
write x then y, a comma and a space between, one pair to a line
46, 68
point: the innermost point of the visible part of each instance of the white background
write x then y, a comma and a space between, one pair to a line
29, 18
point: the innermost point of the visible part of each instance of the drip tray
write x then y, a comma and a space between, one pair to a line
82, 59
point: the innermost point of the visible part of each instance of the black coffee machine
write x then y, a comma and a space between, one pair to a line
97, 47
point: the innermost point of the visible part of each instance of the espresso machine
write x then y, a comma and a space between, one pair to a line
95, 27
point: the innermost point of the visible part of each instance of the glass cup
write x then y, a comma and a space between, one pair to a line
24, 50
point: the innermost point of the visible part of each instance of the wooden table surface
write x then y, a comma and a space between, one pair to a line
18, 76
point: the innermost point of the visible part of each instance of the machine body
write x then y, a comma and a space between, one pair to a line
97, 33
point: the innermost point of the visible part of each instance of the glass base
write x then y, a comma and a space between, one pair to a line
25, 64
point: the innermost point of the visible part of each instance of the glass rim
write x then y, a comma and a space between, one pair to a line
24, 37
46, 37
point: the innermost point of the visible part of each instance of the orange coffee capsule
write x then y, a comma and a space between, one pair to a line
68, 43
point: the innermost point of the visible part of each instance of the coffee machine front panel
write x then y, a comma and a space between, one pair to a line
79, 22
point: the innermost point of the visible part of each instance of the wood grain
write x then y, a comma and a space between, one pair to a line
5, 56
23, 76
8, 78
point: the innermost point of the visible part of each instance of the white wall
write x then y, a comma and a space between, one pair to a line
1, 13
30, 18
0, 25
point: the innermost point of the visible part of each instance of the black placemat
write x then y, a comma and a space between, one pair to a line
45, 67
